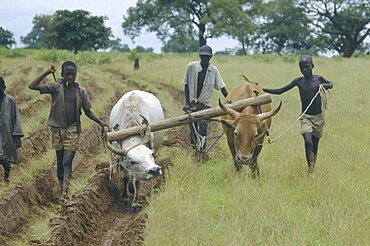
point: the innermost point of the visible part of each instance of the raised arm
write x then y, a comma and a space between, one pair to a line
280, 90
35, 84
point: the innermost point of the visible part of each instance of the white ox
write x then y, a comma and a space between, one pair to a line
137, 161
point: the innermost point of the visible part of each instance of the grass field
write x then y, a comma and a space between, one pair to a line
211, 204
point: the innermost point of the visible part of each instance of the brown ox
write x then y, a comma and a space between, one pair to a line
246, 130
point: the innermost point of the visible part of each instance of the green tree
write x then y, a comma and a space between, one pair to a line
6, 38
35, 39
236, 19
342, 25
118, 46
183, 41
168, 17
77, 30
285, 28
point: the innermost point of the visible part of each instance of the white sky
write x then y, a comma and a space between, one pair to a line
17, 15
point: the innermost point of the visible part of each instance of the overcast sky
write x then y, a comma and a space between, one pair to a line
17, 15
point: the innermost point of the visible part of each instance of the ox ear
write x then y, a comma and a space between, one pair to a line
264, 116
228, 123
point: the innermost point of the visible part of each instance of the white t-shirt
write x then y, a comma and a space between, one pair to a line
212, 80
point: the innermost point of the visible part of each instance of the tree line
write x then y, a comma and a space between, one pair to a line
275, 26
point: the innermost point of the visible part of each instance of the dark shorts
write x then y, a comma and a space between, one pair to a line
65, 138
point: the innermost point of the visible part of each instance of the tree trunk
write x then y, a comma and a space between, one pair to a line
202, 39
349, 50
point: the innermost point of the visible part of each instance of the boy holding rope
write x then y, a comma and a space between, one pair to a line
311, 90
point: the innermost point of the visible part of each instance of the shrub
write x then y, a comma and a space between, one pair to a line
85, 58
12, 53
54, 55
105, 59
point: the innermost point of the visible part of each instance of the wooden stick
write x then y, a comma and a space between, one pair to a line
190, 117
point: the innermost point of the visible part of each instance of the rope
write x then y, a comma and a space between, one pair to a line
320, 91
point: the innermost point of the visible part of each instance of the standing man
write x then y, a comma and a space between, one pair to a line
10, 131
312, 121
200, 79
67, 100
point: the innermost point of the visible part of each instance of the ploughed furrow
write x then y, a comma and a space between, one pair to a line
96, 215
16, 206
18, 203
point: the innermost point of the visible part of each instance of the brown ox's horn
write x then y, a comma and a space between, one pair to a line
228, 110
264, 116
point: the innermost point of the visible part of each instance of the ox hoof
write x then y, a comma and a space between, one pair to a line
238, 167
126, 202
135, 207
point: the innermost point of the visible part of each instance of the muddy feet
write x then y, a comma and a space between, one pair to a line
133, 207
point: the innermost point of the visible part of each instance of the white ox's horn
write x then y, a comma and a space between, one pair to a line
264, 116
125, 151
228, 110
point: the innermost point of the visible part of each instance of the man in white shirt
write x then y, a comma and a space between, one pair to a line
200, 79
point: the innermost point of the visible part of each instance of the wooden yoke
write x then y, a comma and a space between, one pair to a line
189, 117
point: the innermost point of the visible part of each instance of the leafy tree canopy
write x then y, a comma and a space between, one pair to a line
70, 30
285, 29
35, 39
168, 17
6, 38
77, 30
236, 19
183, 41
343, 25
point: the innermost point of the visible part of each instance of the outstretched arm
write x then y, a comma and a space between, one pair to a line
35, 84
280, 90
93, 117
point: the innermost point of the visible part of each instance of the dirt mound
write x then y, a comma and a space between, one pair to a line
35, 145
96, 215
17, 203
33, 107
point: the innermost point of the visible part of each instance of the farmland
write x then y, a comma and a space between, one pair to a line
193, 203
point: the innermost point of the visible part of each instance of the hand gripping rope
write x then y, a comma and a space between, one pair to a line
320, 91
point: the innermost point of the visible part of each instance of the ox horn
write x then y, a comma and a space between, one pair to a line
264, 116
125, 151
228, 110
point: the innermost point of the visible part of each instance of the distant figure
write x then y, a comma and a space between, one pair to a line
312, 122
136, 64
10, 131
200, 79
67, 100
